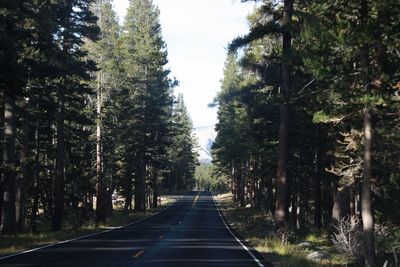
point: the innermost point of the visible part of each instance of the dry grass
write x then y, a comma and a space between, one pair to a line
255, 227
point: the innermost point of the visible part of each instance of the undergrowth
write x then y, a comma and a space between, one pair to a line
256, 227
285, 249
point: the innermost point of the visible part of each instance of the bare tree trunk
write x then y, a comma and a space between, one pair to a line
9, 223
260, 185
295, 204
59, 181
298, 211
128, 189
23, 181
327, 200
155, 187
305, 206
341, 203
234, 182
47, 196
252, 183
100, 200
366, 201
269, 200
140, 179
35, 191
1, 154
281, 206
241, 184
140, 186
111, 186
281, 210
317, 182
352, 208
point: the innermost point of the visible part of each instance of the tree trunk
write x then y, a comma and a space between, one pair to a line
100, 200
155, 187
35, 191
140, 186
59, 181
352, 208
140, 181
234, 182
128, 189
23, 181
327, 200
341, 204
281, 206
48, 194
9, 166
298, 211
1, 154
269, 201
317, 182
281, 210
111, 187
366, 201
295, 204
260, 185
241, 183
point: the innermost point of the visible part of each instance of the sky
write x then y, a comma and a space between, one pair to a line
197, 33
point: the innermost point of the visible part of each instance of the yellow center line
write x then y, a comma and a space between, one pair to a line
137, 255
195, 199
161, 237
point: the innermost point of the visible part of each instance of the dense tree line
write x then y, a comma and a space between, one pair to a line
87, 109
309, 122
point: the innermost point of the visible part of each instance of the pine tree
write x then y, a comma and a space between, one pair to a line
230, 145
259, 31
103, 52
75, 22
145, 58
15, 21
183, 159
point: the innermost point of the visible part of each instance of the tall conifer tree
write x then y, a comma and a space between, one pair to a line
103, 52
145, 57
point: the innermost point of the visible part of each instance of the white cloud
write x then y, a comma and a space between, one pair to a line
197, 32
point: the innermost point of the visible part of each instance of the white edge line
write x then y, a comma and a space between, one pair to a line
236, 238
86, 236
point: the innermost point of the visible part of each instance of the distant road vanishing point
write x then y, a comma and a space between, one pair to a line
191, 232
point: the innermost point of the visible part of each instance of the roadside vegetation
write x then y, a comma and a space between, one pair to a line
309, 129
295, 247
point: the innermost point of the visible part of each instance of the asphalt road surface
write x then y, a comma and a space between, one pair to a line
191, 232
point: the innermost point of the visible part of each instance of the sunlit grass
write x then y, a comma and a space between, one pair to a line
252, 226
22, 241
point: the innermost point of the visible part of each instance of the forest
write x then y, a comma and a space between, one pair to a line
87, 112
308, 132
309, 121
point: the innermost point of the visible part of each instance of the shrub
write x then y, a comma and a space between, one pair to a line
348, 238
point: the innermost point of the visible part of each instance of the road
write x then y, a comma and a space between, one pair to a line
191, 232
